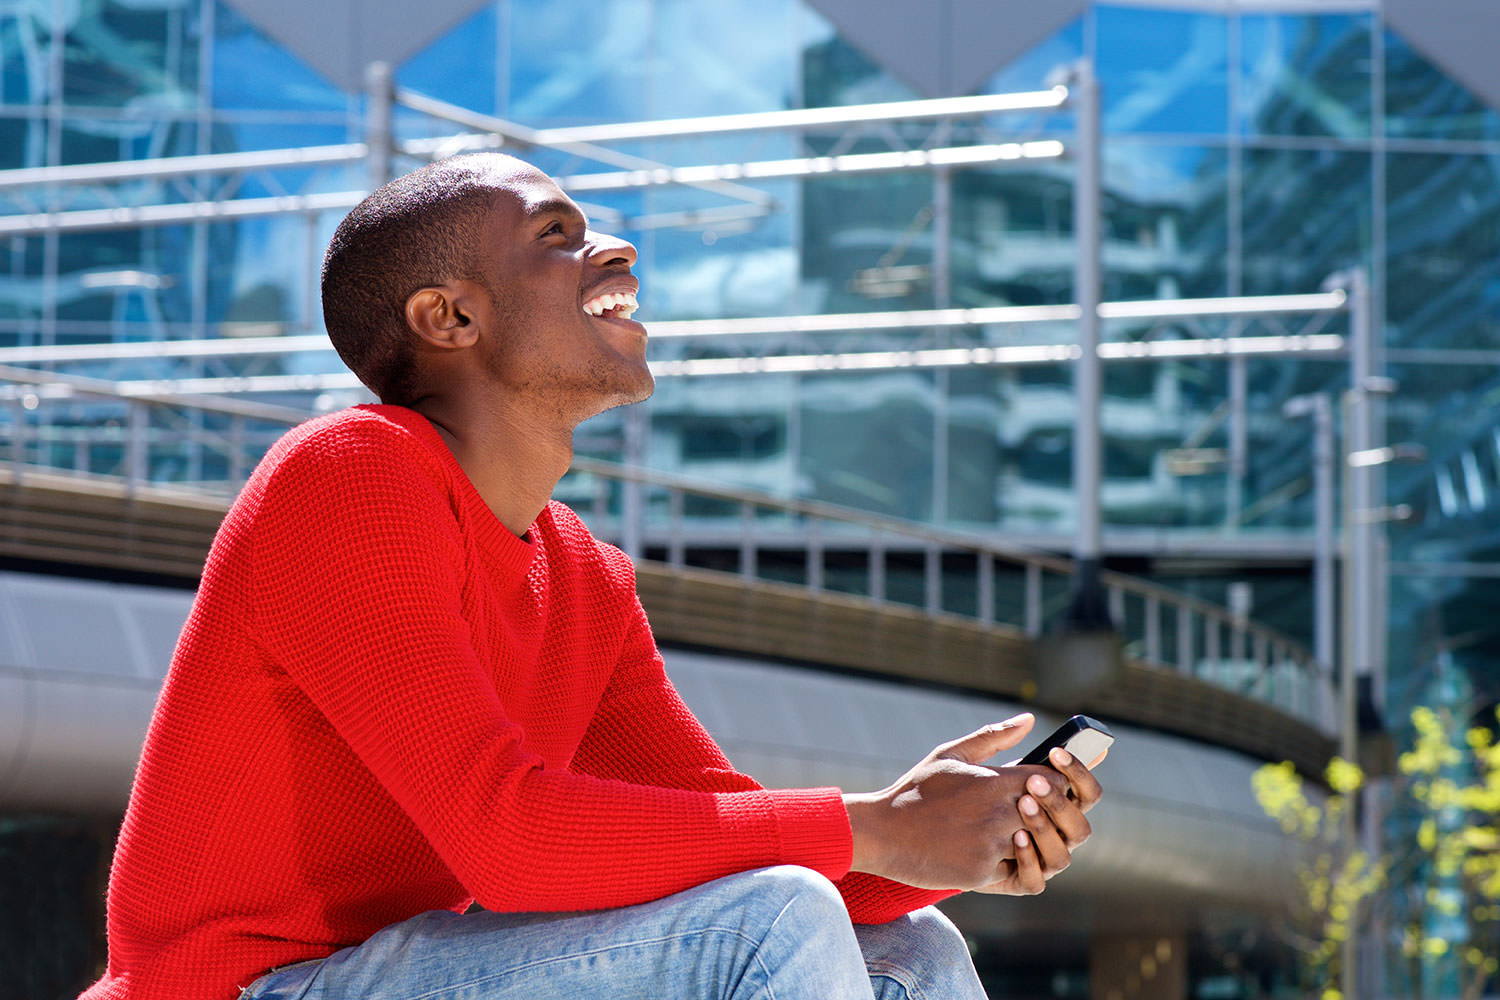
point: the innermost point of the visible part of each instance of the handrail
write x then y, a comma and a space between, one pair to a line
1161, 627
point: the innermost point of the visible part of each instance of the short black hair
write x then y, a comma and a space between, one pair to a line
419, 230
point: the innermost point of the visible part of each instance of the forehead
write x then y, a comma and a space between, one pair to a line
523, 193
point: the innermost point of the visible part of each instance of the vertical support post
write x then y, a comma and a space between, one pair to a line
877, 567
748, 568
1323, 534
17, 440
1088, 611
380, 94
137, 424
236, 460
932, 578
1239, 436
1184, 639
676, 548
1153, 629
632, 492
1033, 599
986, 589
814, 554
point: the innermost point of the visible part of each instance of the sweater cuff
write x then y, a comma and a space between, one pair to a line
814, 829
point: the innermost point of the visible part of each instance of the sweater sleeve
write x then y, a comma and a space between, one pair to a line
643, 732
357, 598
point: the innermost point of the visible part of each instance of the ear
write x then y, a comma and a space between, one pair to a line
442, 315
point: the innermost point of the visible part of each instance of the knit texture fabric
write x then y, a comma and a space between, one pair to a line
383, 702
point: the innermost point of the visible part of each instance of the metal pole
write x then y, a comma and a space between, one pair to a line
1239, 435
380, 95
632, 492
1359, 590
1361, 436
1325, 539
1088, 610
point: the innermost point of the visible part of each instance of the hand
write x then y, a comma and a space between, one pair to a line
1052, 832
951, 823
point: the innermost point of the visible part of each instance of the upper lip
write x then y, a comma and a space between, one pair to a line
624, 284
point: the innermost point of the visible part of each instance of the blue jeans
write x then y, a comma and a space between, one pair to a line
774, 934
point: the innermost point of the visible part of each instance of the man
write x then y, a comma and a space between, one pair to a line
410, 683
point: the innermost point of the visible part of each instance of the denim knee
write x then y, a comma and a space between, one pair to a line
935, 934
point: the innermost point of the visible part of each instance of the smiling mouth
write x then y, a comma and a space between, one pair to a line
614, 305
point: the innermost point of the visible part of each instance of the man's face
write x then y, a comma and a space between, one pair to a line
563, 296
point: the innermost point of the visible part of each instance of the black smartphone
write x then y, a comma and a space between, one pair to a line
1081, 736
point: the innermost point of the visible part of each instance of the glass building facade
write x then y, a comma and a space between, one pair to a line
1246, 152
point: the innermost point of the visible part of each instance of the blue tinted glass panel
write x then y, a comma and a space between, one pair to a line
1166, 220
1012, 237
262, 280
231, 134
25, 51
1306, 214
1163, 71
1305, 75
567, 70
867, 241
722, 58
139, 56
89, 139
459, 67
251, 71
23, 141
1423, 102
21, 289
866, 441
729, 265
1443, 266
1449, 409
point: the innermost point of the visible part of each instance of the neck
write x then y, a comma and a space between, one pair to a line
513, 457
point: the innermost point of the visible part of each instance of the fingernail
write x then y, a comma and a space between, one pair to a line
1038, 785
1029, 806
1015, 720
1021, 839
1061, 757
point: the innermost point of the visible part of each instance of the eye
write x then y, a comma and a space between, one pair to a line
554, 228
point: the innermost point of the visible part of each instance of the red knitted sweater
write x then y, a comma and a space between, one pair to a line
383, 703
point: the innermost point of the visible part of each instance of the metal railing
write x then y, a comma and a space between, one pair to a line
208, 445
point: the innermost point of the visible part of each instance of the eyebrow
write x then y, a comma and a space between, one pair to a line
557, 206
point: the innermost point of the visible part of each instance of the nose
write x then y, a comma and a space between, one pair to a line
607, 251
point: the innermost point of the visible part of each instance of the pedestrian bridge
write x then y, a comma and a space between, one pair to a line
783, 625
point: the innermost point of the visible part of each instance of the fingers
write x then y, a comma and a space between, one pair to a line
1061, 812
1047, 841
982, 744
1085, 787
1023, 875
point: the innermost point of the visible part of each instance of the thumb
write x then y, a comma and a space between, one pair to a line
982, 744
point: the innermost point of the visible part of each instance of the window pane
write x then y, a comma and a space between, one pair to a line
1443, 262
1306, 214
1305, 75
132, 55
1166, 220
1163, 71
1422, 102
867, 442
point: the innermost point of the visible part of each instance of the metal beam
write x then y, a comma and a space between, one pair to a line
182, 166
37, 223
799, 118
1325, 302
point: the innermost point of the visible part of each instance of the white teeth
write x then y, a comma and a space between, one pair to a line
623, 303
